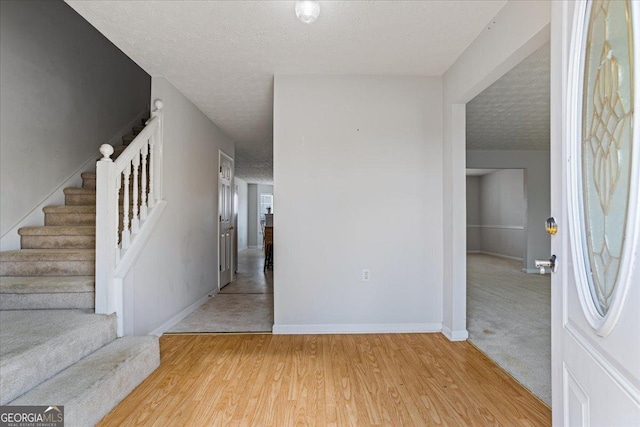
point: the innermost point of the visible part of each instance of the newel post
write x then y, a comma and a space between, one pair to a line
106, 231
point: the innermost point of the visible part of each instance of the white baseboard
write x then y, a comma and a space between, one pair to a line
11, 239
513, 258
254, 247
357, 328
184, 313
455, 335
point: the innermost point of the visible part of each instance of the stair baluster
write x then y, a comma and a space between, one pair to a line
117, 227
135, 222
143, 186
152, 163
126, 234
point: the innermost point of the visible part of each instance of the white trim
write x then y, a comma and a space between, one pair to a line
501, 227
135, 249
618, 377
455, 335
569, 382
357, 328
184, 313
11, 239
231, 185
513, 258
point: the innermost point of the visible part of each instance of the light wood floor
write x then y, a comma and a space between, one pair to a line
326, 380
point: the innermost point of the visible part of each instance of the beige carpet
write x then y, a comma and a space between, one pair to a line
244, 305
509, 319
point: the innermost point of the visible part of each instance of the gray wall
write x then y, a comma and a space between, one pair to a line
537, 194
178, 266
254, 230
474, 244
242, 208
252, 215
64, 91
502, 213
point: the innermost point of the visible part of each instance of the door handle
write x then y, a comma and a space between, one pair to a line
551, 264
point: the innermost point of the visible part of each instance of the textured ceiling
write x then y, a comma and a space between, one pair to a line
223, 54
513, 113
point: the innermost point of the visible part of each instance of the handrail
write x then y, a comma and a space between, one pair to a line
137, 175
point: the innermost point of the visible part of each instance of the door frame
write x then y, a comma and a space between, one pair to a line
455, 264
222, 154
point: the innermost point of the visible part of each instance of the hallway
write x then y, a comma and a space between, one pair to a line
244, 305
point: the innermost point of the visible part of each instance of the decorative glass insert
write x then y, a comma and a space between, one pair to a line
607, 137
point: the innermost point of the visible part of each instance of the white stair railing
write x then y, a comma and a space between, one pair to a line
121, 219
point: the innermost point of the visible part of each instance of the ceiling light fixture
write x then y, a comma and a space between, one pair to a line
307, 10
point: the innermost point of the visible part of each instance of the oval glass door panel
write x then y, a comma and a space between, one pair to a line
607, 139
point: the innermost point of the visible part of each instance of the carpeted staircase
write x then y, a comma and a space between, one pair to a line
54, 349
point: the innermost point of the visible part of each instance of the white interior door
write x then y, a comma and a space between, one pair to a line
225, 217
596, 185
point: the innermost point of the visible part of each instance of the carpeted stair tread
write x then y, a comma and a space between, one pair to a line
58, 237
37, 344
46, 284
58, 230
26, 255
79, 191
70, 215
90, 388
88, 179
47, 292
66, 209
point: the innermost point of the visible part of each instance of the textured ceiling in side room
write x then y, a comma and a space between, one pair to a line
222, 55
513, 113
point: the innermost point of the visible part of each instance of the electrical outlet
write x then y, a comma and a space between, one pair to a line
366, 275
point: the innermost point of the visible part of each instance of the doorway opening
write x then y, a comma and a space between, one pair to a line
244, 301
507, 202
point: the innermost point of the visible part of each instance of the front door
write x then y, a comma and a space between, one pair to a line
225, 217
595, 198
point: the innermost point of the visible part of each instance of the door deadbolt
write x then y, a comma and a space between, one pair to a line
551, 225
550, 264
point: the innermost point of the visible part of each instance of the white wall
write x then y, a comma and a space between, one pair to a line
474, 242
179, 265
64, 90
520, 28
502, 213
242, 208
358, 184
536, 165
